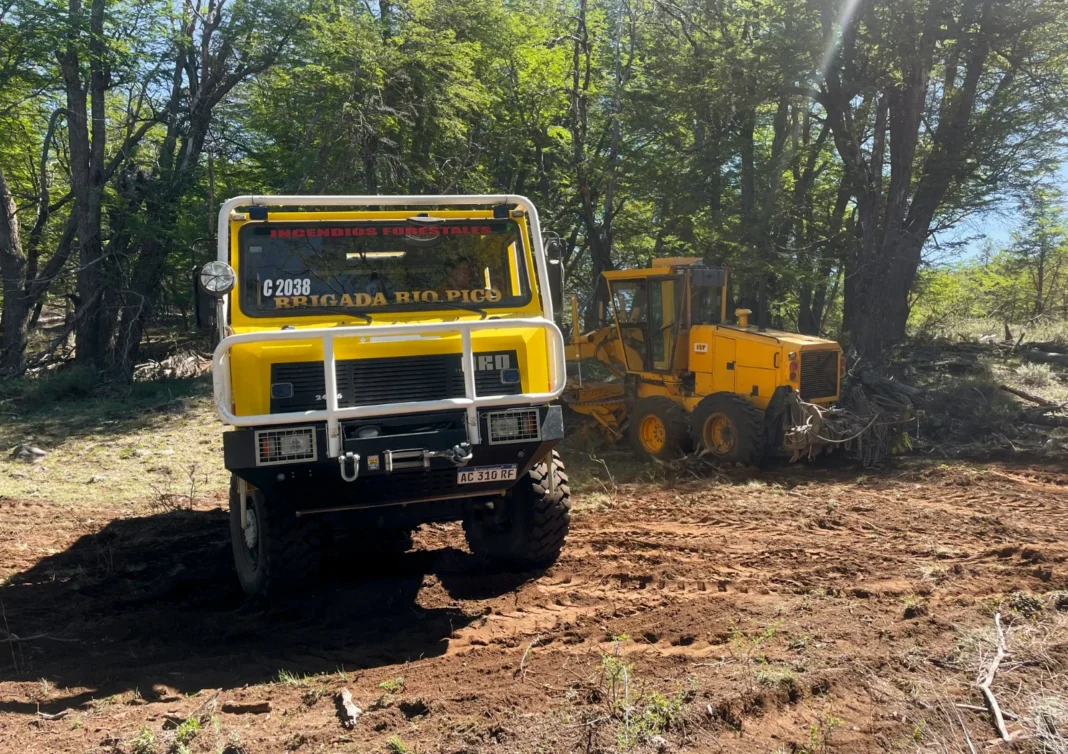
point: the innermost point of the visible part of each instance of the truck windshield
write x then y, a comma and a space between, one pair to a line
316, 267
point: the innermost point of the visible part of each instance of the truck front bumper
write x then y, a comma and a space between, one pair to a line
392, 460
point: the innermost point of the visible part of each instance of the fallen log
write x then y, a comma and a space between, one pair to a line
1042, 419
1048, 346
884, 385
1046, 357
246, 708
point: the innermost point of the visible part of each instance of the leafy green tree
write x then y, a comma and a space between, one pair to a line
936, 108
1040, 248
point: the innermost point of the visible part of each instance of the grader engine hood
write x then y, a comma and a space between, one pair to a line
754, 363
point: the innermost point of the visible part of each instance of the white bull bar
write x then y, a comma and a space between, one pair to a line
333, 413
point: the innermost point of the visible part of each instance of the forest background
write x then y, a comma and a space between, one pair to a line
842, 156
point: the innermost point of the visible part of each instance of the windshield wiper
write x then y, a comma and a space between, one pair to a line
367, 317
462, 307
346, 312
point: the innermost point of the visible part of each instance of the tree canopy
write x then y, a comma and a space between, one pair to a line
815, 146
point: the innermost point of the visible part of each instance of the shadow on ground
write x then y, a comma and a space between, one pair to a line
153, 600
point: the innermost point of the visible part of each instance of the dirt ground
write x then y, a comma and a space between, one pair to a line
796, 609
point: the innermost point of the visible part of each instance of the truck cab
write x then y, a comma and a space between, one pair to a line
385, 362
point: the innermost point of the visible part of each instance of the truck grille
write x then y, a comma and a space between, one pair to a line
819, 374
366, 382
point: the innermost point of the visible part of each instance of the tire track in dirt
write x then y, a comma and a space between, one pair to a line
692, 573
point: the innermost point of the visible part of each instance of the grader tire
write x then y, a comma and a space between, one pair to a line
658, 429
728, 427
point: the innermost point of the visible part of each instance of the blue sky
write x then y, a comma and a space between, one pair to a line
996, 226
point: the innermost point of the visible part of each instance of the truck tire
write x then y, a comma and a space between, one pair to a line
728, 427
534, 527
278, 551
658, 428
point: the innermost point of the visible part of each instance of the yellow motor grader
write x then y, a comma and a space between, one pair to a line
684, 377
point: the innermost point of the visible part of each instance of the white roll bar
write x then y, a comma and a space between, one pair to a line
333, 413
454, 200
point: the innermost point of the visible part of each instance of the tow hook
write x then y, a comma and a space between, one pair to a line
355, 458
458, 455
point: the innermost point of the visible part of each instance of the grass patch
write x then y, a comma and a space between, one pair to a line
144, 742
127, 446
395, 745
390, 687
1026, 604
914, 607
775, 676
184, 735
821, 732
288, 678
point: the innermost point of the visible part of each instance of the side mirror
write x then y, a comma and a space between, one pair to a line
556, 275
204, 305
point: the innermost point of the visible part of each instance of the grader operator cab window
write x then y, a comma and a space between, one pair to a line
707, 287
648, 312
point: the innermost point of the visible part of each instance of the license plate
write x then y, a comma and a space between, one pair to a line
478, 474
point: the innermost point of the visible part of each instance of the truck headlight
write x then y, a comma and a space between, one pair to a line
217, 278
513, 426
276, 446
296, 445
507, 425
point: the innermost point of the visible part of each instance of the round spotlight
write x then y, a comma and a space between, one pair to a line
366, 433
217, 278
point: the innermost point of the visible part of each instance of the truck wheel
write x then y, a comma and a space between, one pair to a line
277, 550
729, 427
658, 428
535, 523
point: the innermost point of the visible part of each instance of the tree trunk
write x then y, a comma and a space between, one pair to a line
878, 287
14, 321
87, 146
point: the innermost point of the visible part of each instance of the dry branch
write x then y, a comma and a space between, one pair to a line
977, 708
13, 638
1041, 416
987, 678
1026, 396
967, 736
1048, 346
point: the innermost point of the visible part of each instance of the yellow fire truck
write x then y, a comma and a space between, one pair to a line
386, 361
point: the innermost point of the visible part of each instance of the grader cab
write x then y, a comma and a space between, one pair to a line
684, 377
